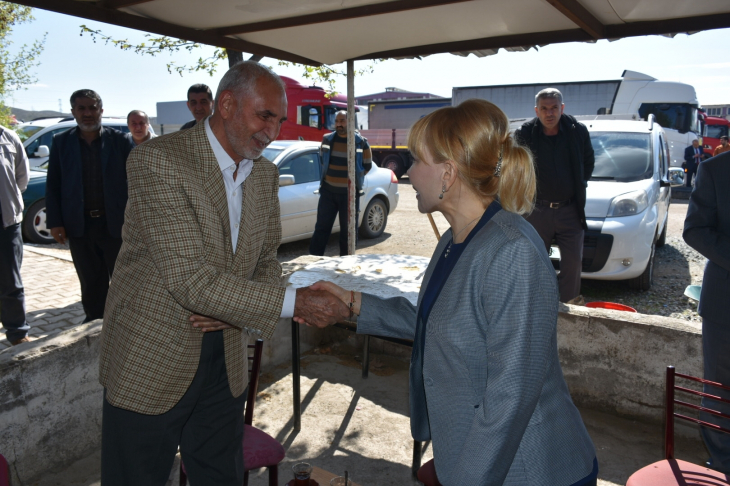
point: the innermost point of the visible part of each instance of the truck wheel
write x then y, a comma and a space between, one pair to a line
376, 217
34, 224
394, 163
644, 281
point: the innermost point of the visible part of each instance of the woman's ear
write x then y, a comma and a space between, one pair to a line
448, 176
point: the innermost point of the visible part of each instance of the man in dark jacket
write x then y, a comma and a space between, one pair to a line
86, 194
564, 162
693, 155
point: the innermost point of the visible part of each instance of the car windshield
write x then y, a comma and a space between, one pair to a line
27, 131
271, 153
624, 157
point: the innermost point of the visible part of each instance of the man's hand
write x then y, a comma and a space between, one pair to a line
208, 324
59, 234
319, 308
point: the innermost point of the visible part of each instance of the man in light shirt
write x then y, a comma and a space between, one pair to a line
197, 278
139, 126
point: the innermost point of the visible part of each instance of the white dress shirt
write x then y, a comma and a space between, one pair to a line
234, 196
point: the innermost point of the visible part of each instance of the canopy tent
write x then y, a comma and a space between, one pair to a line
332, 31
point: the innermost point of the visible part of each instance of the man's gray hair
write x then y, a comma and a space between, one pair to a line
341, 112
241, 79
140, 113
549, 93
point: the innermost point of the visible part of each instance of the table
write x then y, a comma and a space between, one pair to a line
381, 275
324, 477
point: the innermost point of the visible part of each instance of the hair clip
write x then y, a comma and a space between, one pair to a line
498, 169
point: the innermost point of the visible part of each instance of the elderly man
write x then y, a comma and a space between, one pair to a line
197, 278
86, 193
333, 196
723, 147
13, 181
693, 155
564, 162
200, 104
139, 126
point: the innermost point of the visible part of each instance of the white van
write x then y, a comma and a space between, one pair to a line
627, 202
37, 136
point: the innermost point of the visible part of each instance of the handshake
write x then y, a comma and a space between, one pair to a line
324, 304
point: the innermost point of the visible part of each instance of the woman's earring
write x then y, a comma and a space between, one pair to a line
443, 190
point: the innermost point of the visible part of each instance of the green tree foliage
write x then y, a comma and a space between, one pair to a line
15, 65
159, 45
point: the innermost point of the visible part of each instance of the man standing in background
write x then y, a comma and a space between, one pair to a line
86, 193
564, 162
200, 104
333, 194
692, 158
139, 126
723, 147
13, 181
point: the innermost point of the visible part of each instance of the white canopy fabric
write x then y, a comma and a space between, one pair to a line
332, 31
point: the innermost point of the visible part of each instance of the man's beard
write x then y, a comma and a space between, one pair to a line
90, 126
240, 146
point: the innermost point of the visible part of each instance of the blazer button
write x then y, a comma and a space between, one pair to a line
429, 382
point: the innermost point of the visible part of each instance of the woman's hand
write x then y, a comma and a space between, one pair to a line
339, 292
208, 324
346, 296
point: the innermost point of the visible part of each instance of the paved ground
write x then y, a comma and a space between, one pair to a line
52, 294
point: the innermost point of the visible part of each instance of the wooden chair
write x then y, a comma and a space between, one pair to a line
259, 448
671, 471
427, 474
4, 472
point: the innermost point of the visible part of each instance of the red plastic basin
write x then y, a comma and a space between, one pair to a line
610, 305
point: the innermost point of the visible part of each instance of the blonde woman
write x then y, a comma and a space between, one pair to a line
485, 382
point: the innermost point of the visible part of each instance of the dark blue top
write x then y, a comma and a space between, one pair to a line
440, 275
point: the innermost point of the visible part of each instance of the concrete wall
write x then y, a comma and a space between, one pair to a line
50, 399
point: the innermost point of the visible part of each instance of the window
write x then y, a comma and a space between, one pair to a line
304, 168
714, 111
45, 139
624, 157
310, 116
715, 131
663, 168
27, 131
676, 116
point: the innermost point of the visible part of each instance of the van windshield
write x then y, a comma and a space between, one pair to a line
623, 157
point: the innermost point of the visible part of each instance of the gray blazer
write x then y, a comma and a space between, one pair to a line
707, 230
496, 403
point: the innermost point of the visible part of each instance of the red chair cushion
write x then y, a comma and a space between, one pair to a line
260, 449
675, 472
4, 472
427, 474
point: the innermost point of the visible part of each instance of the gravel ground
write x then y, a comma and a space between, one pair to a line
409, 232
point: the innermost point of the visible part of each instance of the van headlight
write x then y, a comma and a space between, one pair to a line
628, 204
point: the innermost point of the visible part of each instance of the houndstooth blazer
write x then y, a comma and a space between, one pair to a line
177, 260
496, 405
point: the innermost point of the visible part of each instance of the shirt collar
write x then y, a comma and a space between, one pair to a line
224, 160
101, 132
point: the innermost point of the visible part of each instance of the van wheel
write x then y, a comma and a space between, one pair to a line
34, 224
663, 237
644, 281
376, 217
394, 163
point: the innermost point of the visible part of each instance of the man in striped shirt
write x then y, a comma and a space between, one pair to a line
333, 184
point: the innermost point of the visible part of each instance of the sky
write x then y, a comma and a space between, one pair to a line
128, 81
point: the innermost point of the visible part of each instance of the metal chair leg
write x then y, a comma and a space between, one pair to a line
417, 456
366, 356
296, 375
273, 475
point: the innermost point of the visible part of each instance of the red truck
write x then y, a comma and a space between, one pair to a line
714, 128
311, 114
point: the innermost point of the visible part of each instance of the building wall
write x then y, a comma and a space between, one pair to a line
722, 111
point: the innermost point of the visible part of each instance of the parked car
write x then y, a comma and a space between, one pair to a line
628, 200
38, 135
299, 169
34, 215
299, 176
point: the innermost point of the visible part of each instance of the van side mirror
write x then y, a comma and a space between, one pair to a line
286, 180
663, 183
42, 152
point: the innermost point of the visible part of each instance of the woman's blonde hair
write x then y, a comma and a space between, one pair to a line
475, 135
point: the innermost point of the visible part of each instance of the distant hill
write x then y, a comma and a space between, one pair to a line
26, 115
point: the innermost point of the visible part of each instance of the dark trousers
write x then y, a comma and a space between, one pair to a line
330, 205
94, 255
688, 177
715, 346
12, 294
207, 424
562, 224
